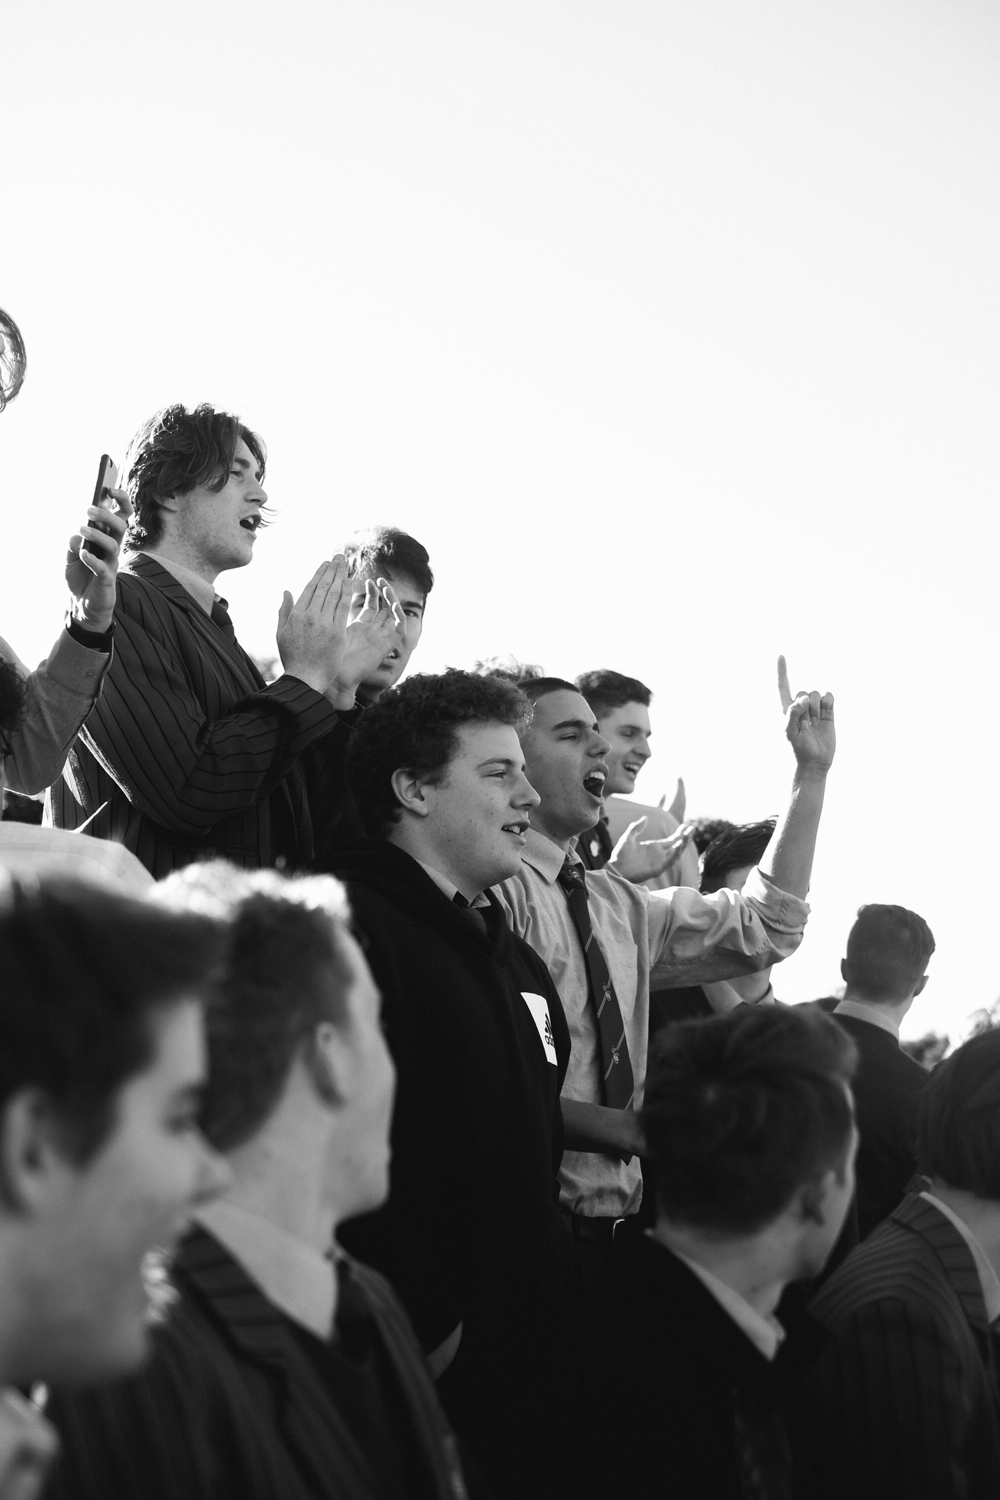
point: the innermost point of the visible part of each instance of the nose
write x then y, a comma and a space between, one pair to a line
257, 493
214, 1174
525, 795
599, 746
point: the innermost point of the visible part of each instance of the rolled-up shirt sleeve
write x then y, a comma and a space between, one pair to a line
59, 695
694, 939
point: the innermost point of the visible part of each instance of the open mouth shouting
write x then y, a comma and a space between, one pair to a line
251, 523
593, 782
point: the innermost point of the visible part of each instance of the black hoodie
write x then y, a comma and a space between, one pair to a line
471, 1233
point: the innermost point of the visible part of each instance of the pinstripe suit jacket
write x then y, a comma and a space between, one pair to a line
188, 754
231, 1407
904, 1402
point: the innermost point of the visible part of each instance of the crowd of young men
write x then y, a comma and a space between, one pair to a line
350, 1144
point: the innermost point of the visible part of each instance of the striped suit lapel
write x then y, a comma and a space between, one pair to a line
209, 634
314, 1428
951, 1251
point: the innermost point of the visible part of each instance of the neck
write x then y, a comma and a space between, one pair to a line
541, 824
416, 842
895, 1010
280, 1177
751, 1265
179, 550
980, 1215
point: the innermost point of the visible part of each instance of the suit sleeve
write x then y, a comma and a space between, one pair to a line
885, 1411
59, 695
151, 734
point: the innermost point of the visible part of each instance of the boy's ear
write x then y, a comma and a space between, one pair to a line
410, 792
33, 1167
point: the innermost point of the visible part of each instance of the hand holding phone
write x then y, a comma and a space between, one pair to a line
107, 480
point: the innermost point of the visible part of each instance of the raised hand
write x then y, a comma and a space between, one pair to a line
809, 724
91, 576
28, 1445
312, 631
379, 627
640, 859
678, 807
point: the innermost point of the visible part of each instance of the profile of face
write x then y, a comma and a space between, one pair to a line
565, 757
821, 1228
215, 530
364, 1078
413, 602
474, 819
627, 730
94, 1225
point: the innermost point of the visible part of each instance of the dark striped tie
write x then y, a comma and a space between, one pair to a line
616, 1065
220, 614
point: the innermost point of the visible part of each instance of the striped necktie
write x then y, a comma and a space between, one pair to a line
616, 1065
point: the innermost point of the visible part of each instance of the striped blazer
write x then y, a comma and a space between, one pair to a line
231, 1406
904, 1402
188, 754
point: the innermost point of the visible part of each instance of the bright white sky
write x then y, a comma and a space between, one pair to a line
669, 326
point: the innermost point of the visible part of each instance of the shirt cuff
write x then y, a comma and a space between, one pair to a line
783, 910
94, 640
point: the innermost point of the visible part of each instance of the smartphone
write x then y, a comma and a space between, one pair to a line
107, 479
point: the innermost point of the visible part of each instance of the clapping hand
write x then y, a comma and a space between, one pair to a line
640, 859
809, 724
379, 627
91, 575
312, 630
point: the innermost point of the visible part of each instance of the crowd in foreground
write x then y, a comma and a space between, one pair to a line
386, 1112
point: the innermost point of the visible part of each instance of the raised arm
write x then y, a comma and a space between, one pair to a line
809, 728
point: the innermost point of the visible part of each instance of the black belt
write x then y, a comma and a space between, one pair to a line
586, 1227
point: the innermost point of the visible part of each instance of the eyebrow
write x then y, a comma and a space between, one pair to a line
244, 463
574, 724
498, 760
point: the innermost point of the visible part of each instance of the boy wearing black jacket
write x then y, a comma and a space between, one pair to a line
471, 1236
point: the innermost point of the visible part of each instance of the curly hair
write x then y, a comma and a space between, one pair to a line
743, 1110
415, 726
175, 451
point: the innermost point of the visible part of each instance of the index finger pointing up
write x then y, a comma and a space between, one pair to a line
784, 692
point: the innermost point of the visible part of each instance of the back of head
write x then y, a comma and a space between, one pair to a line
605, 690
284, 973
734, 849
744, 1110
84, 971
707, 829
384, 550
958, 1129
888, 950
13, 359
415, 726
13, 694
175, 451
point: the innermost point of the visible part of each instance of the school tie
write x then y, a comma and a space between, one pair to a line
474, 913
616, 1065
220, 615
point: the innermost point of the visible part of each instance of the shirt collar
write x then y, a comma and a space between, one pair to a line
988, 1279
874, 1014
449, 888
203, 593
295, 1276
545, 856
764, 1331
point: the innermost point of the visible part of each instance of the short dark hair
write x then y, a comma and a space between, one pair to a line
175, 451
606, 690
84, 970
888, 950
743, 844
386, 549
743, 1110
707, 829
540, 687
13, 359
415, 726
13, 693
284, 973
958, 1126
